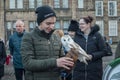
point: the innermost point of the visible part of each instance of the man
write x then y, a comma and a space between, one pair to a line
2, 58
14, 45
41, 49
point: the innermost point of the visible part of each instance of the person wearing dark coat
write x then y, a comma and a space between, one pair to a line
2, 58
14, 46
41, 49
92, 42
73, 27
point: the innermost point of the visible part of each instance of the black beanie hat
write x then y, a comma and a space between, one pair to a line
74, 25
43, 13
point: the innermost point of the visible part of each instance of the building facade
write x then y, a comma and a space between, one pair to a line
105, 12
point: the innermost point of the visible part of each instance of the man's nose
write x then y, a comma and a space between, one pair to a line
52, 26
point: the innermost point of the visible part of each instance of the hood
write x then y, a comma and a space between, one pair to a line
94, 29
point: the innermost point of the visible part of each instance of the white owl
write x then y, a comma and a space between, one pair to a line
73, 49
70, 45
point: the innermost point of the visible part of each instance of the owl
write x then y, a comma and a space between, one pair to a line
73, 49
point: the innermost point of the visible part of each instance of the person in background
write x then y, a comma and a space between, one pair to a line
117, 51
2, 58
73, 27
92, 42
14, 46
41, 49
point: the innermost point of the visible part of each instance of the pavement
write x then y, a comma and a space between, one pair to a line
9, 71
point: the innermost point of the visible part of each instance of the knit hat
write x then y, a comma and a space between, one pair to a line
44, 12
74, 25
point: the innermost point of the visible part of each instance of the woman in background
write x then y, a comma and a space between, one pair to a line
92, 42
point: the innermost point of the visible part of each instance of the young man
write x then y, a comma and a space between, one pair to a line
14, 45
41, 49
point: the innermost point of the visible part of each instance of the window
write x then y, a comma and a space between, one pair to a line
64, 4
12, 4
19, 4
101, 25
112, 8
39, 3
16, 4
31, 4
56, 3
113, 28
14, 27
65, 26
57, 25
32, 25
35, 3
11, 28
80, 4
99, 8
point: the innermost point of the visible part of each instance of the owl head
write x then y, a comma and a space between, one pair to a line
67, 41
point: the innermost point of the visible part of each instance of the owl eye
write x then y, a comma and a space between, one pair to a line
64, 40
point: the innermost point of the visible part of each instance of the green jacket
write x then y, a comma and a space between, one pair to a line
117, 52
39, 53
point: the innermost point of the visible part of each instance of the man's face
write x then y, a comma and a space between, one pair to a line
48, 24
20, 27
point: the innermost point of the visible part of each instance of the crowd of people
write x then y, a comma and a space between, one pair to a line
39, 54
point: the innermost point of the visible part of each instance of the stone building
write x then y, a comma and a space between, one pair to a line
105, 12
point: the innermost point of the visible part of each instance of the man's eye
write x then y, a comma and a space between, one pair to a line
48, 23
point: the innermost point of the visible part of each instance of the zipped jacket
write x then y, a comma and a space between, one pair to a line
95, 46
39, 53
14, 46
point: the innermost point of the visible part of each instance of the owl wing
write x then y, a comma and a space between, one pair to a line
83, 56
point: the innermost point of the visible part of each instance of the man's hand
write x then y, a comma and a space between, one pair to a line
65, 62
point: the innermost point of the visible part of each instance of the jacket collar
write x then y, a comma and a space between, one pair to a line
20, 34
42, 33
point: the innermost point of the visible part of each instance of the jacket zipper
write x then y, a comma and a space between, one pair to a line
49, 47
85, 64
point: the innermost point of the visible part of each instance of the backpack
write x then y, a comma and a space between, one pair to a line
109, 50
108, 47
